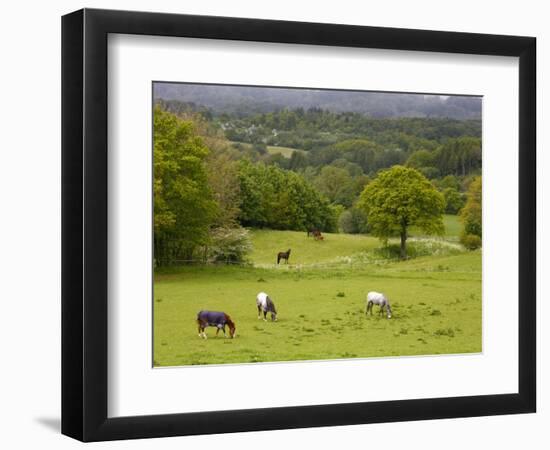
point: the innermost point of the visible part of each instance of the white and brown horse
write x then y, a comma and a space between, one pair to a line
265, 305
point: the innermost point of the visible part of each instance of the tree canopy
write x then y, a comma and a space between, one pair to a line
215, 173
280, 199
399, 198
471, 216
183, 204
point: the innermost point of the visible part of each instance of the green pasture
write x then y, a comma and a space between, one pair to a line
320, 296
273, 149
452, 224
304, 250
285, 151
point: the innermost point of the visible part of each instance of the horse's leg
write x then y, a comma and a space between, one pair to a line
259, 312
201, 330
217, 331
265, 315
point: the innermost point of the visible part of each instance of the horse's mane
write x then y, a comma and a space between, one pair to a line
271, 305
229, 321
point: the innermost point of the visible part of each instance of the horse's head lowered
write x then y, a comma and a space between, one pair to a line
273, 312
231, 325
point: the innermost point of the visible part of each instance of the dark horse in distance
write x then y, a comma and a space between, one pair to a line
283, 255
312, 232
315, 233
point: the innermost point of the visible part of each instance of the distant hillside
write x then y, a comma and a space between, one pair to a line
244, 101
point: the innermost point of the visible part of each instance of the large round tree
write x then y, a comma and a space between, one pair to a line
399, 198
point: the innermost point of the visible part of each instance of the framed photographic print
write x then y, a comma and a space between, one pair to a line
266, 224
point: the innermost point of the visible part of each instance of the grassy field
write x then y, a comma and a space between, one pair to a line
272, 149
285, 151
452, 227
320, 297
267, 243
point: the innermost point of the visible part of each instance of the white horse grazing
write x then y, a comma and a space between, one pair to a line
376, 298
265, 304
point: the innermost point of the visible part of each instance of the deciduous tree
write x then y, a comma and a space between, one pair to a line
471, 213
183, 203
399, 198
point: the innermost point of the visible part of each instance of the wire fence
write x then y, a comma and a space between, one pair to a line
341, 262
205, 262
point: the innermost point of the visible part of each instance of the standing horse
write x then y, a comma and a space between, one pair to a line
376, 298
265, 304
215, 319
283, 255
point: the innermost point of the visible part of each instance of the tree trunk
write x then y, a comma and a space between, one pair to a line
403, 254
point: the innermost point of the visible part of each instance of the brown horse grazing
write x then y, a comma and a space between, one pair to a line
317, 235
215, 319
283, 255
312, 231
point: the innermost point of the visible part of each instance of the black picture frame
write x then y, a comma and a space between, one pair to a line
84, 224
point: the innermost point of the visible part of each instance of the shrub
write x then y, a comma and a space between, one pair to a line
229, 245
470, 241
454, 200
471, 213
353, 221
419, 247
259, 147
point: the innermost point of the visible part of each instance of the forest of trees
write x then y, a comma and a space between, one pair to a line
205, 192
214, 174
